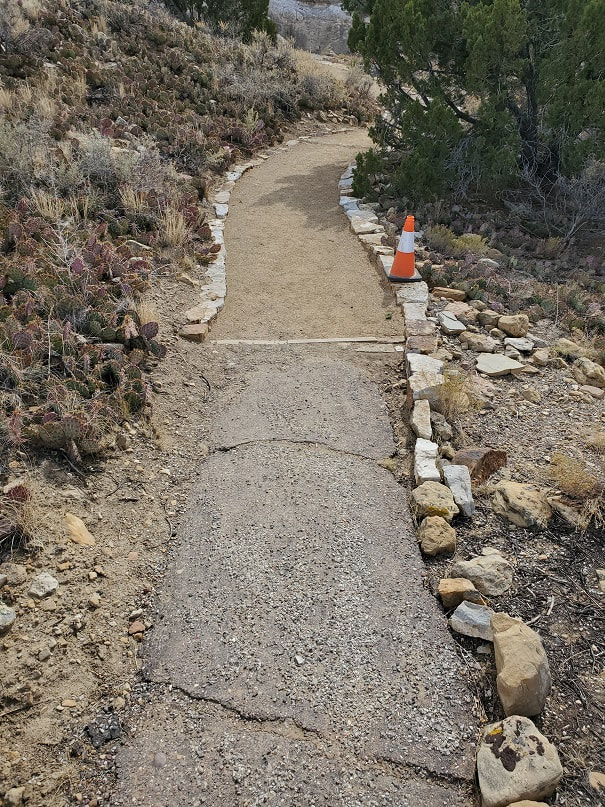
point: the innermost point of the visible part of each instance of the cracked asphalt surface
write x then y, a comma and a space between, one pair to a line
297, 657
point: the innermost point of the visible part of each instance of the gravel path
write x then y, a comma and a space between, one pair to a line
297, 657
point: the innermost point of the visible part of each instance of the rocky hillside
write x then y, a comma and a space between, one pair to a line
318, 26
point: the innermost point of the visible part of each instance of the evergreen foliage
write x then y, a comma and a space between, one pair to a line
242, 16
487, 94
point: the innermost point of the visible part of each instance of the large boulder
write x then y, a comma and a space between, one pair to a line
522, 504
491, 573
571, 350
434, 499
319, 26
589, 372
514, 324
514, 762
436, 537
523, 680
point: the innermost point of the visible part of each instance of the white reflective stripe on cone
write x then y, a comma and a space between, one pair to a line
406, 242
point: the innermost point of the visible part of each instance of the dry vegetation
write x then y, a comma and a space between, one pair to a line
113, 120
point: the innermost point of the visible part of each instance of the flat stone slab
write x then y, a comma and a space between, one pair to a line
495, 364
413, 293
282, 607
318, 400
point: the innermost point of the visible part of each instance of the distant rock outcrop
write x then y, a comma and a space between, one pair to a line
315, 25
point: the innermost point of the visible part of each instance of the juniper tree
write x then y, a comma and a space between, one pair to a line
485, 94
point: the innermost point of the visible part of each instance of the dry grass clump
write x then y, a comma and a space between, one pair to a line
47, 204
21, 518
443, 240
574, 478
133, 201
17, 16
172, 227
596, 442
456, 396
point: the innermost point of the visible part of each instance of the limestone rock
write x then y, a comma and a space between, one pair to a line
594, 392
482, 462
421, 344
425, 461
471, 619
462, 311
596, 779
589, 372
540, 357
420, 327
449, 294
571, 350
514, 325
530, 394
458, 480
16, 573
441, 427
416, 363
420, 420
492, 574
7, 618
514, 762
479, 342
77, 531
526, 803
569, 514
454, 590
412, 293
521, 344
522, 504
13, 797
425, 385
194, 333
200, 313
436, 537
496, 333
450, 324
488, 318
434, 499
43, 585
496, 364
511, 352
523, 680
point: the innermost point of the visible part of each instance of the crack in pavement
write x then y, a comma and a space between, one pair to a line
329, 747
308, 443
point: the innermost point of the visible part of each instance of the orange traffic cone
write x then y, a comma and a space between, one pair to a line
403, 269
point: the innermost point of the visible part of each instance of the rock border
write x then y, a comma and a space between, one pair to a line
443, 490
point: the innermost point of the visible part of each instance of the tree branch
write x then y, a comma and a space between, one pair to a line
460, 113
